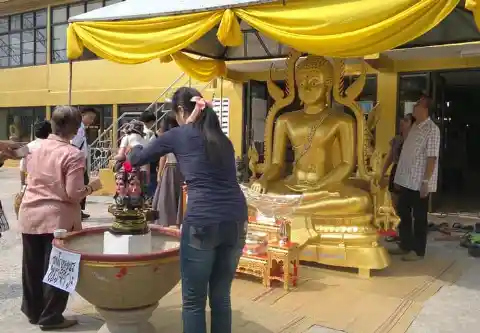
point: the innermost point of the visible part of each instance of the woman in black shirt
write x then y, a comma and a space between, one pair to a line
215, 223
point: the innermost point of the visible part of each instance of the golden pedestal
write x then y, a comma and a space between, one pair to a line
347, 256
344, 242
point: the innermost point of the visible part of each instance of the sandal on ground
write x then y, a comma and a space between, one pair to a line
462, 227
391, 239
66, 323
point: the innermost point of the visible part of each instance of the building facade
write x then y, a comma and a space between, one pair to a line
34, 73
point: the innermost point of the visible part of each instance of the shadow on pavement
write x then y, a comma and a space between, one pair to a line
10, 291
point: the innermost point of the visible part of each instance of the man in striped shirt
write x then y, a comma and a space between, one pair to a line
416, 177
80, 141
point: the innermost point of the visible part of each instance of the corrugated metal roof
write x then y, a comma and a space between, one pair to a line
138, 9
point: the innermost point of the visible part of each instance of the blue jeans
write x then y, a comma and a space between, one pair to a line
209, 257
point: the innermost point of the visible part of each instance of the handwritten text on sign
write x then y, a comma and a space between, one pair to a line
63, 270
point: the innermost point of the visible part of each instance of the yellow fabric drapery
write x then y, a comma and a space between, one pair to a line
336, 28
137, 41
199, 69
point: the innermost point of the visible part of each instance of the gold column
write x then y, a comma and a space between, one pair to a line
115, 125
48, 112
387, 89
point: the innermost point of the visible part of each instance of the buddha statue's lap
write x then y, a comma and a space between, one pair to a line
334, 200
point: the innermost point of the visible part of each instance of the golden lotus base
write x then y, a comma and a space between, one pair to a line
340, 241
363, 258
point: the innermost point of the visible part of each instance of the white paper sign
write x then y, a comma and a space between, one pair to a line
63, 270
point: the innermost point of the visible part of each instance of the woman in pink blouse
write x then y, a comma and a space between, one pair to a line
51, 201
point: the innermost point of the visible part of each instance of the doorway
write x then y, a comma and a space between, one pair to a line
455, 111
458, 104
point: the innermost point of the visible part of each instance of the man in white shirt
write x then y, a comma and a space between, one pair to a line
416, 177
80, 141
148, 119
42, 130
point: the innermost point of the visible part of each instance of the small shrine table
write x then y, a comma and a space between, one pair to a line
283, 262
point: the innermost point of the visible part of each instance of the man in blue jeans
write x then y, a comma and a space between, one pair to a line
206, 250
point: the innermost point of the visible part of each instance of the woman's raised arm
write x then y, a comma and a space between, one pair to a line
155, 149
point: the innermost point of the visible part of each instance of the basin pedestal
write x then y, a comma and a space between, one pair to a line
127, 321
127, 244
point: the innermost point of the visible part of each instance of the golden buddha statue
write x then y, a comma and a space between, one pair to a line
323, 141
336, 215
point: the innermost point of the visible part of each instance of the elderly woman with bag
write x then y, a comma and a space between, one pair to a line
51, 201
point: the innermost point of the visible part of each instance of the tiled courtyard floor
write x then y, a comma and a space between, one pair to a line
398, 299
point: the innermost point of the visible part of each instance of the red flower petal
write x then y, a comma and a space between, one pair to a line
127, 166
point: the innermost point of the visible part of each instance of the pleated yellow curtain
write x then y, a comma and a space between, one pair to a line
137, 41
199, 69
346, 29
335, 28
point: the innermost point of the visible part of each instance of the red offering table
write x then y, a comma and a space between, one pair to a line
279, 263
283, 262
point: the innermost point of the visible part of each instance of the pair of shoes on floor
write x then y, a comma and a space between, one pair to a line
85, 216
411, 256
66, 323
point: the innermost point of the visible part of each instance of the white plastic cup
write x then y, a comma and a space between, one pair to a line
59, 233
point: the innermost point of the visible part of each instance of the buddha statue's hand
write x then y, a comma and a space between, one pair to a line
260, 186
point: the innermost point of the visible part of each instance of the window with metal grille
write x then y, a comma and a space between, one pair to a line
23, 39
59, 25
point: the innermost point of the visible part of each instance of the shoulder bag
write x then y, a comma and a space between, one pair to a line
4, 226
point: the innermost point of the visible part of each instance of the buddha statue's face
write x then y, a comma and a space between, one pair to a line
314, 79
313, 86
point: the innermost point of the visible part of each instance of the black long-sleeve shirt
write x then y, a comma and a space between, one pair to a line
214, 195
